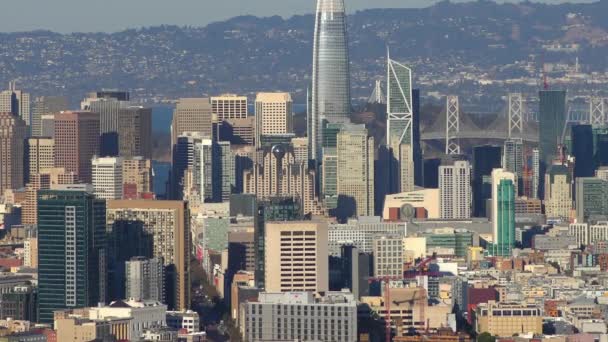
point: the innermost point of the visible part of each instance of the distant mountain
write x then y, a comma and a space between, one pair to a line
248, 54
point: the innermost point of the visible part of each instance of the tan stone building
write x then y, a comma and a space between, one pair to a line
191, 115
76, 142
229, 106
274, 114
45, 180
135, 132
296, 256
40, 154
12, 135
508, 319
137, 178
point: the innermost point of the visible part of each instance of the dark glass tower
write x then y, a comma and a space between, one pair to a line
552, 120
71, 250
582, 149
485, 159
418, 163
330, 71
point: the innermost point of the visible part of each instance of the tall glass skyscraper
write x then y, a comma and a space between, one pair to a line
552, 119
330, 71
503, 212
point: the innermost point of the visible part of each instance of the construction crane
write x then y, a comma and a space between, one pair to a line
387, 301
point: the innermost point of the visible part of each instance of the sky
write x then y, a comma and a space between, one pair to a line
115, 15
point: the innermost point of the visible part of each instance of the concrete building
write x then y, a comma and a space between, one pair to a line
137, 178
107, 177
455, 190
188, 320
47, 123
424, 201
168, 224
296, 256
107, 104
513, 161
141, 315
44, 105
300, 149
299, 316
229, 106
45, 180
79, 329
388, 257
238, 131
12, 134
192, 115
591, 198
361, 233
274, 115
30, 252
355, 173
40, 155
586, 234
558, 192
145, 279
76, 142
213, 170
135, 132
15, 101
508, 319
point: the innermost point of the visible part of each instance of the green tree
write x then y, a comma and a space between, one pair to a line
486, 337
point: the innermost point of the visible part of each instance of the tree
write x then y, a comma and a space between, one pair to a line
486, 337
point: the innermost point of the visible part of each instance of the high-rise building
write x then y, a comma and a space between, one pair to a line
418, 158
552, 121
558, 192
229, 106
355, 270
47, 125
107, 177
399, 104
135, 132
582, 150
361, 233
513, 161
485, 159
329, 178
76, 142
145, 279
455, 190
71, 250
330, 71
183, 158
213, 170
108, 104
355, 172
274, 115
285, 271
46, 179
238, 131
192, 115
165, 226
535, 161
45, 105
591, 198
12, 135
503, 211
137, 178
16, 102
388, 257
300, 149
40, 155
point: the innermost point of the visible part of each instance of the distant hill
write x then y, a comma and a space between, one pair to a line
247, 54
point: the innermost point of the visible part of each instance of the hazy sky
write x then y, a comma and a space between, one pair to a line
115, 15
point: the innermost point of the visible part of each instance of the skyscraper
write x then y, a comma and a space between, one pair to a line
44, 105
40, 155
145, 279
355, 171
71, 250
418, 161
582, 150
513, 161
108, 105
330, 71
12, 135
552, 121
591, 198
135, 132
455, 190
107, 177
273, 114
76, 142
229, 106
137, 178
16, 102
485, 159
558, 192
213, 170
192, 115
503, 211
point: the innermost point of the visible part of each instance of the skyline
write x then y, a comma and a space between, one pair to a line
66, 16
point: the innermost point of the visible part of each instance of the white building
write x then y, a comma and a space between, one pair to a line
361, 233
274, 115
299, 316
455, 190
587, 234
107, 177
144, 315
188, 320
145, 279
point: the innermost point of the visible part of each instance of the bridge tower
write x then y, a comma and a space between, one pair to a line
377, 95
452, 127
516, 111
596, 111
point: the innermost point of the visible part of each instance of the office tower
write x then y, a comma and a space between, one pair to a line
241, 246
40, 155
300, 317
558, 192
602, 173
582, 150
107, 177
238, 131
277, 174
137, 178
284, 270
12, 135
183, 158
388, 257
164, 228
47, 125
503, 211
485, 159
273, 114
591, 198
46, 179
355, 150
76, 142
431, 173
30, 252
135, 132
71, 250
418, 158
330, 71
108, 104
535, 161
329, 178
455, 190
191, 115
145, 279
513, 161
457, 240
300, 149
552, 121
355, 270
108, 94
16, 102
45, 105
229, 106
361, 233
213, 170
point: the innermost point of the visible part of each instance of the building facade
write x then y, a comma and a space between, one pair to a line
455, 190
12, 134
76, 142
107, 177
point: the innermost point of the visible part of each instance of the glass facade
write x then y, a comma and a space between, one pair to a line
582, 149
591, 198
505, 240
399, 104
485, 159
330, 70
552, 119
